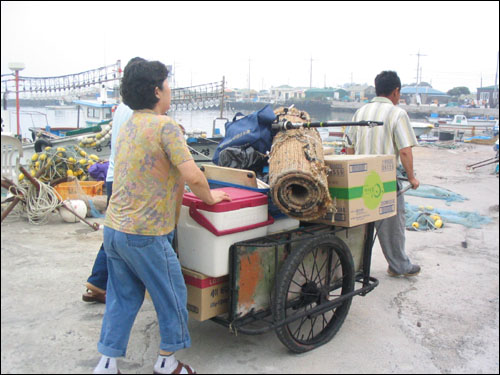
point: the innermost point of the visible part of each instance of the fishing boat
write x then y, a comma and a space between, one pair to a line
203, 147
421, 128
462, 120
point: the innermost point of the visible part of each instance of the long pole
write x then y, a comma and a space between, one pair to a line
288, 125
17, 103
222, 98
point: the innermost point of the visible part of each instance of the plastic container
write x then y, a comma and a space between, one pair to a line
283, 224
274, 211
69, 190
207, 232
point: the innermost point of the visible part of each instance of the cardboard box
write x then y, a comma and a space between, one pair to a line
207, 296
363, 187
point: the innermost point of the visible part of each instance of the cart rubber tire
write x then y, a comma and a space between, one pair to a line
294, 267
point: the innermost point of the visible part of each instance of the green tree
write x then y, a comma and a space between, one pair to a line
457, 91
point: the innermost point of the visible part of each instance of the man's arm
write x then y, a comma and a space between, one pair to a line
406, 156
198, 184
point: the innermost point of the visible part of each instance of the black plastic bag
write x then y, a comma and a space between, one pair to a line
243, 158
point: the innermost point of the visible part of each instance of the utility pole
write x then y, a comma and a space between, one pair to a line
174, 74
16, 67
311, 73
418, 71
249, 79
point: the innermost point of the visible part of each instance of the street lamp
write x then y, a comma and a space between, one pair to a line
16, 67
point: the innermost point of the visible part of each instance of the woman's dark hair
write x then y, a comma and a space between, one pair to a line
140, 78
386, 82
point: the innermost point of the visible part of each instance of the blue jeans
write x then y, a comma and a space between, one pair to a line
99, 276
137, 263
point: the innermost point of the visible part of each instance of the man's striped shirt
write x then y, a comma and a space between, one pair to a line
388, 139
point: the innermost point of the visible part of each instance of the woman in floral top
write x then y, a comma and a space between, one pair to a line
152, 163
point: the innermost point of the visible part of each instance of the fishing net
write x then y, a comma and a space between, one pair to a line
427, 218
449, 145
436, 192
60, 162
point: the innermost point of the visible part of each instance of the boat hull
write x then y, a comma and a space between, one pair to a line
203, 149
421, 128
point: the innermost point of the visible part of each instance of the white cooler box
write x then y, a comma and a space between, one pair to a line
205, 233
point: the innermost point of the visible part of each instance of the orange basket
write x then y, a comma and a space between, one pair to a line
68, 190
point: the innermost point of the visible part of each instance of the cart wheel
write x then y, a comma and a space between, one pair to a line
319, 271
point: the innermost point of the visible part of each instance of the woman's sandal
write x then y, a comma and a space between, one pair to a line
91, 296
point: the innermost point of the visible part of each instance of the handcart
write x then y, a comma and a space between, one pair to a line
299, 283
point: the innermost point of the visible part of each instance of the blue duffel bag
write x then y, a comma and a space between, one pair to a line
252, 130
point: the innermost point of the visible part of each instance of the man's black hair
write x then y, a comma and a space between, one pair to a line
140, 79
386, 82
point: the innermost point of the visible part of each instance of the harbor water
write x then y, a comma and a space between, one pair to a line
196, 120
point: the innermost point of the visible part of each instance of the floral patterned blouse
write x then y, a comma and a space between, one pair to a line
148, 150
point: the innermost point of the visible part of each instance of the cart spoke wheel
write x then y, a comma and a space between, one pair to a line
318, 272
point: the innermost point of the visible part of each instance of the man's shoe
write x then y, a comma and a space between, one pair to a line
414, 271
91, 296
94, 294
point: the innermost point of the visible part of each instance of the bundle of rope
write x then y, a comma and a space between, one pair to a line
39, 202
298, 175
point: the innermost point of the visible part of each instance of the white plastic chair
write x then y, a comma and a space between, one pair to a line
12, 152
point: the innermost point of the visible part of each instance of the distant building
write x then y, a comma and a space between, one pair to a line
360, 92
243, 94
488, 96
229, 94
285, 92
328, 94
320, 94
427, 95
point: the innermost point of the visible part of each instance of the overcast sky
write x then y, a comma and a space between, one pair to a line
206, 40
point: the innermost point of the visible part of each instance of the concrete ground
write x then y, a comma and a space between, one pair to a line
445, 320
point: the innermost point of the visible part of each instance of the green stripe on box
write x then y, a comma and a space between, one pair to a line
346, 193
390, 186
357, 191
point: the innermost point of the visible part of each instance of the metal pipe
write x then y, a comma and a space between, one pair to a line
481, 162
483, 165
94, 226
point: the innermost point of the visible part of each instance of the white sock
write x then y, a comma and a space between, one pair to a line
107, 365
165, 364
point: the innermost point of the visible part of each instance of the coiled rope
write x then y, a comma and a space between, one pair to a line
39, 203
